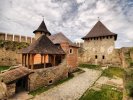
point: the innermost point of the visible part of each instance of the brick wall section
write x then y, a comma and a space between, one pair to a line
9, 57
72, 59
42, 77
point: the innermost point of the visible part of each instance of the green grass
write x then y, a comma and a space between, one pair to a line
114, 71
90, 66
2, 68
106, 93
129, 81
43, 89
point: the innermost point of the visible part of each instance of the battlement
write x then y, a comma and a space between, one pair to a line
18, 38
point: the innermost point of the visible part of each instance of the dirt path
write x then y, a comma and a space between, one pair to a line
72, 89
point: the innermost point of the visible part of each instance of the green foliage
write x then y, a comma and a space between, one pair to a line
12, 45
114, 71
131, 64
4, 68
90, 66
129, 81
106, 93
129, 87
43, 89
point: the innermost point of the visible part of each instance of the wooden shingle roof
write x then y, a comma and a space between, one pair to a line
99, 30
61, 38
14, 74
42, 28
43, 45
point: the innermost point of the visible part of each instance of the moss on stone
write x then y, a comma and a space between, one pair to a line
12, 45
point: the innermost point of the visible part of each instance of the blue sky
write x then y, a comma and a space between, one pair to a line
74, 18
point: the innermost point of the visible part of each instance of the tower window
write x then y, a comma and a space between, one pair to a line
103, 57
96, 57
70, 51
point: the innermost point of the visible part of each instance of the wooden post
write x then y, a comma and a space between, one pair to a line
32, 61
25, 60
41, 58
28, 60
44, 61
54, 59
22, 59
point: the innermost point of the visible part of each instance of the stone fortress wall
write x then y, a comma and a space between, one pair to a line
11, 57
100, 51
18, 38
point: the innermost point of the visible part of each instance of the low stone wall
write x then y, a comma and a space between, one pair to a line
6, 90
11, 89
46, 76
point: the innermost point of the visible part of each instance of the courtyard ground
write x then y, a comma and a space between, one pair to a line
72, 89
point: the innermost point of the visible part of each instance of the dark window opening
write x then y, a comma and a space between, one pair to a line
71, 51
95, 56
50, 82
103, 57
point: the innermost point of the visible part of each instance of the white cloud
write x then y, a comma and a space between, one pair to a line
74, 18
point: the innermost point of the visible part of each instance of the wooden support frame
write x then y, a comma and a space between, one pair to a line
54, 63
44, 60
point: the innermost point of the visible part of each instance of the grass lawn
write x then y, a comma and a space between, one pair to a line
106, 93
4, 68
114, 71
90, 66
43, 89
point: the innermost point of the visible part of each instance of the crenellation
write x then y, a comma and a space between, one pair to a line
17, 38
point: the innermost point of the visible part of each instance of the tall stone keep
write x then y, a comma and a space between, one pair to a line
42, 30
99, 45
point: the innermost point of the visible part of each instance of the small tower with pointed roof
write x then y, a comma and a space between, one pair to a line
42, 30
99, 44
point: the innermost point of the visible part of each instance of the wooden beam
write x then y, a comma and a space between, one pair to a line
25, 59
41, 58
28, 60
32, 61
22, 59
44, 61
54, 59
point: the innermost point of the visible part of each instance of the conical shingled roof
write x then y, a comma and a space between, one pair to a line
43, 45
42, 28
99, 30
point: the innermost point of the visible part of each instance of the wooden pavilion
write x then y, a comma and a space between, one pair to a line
42, 53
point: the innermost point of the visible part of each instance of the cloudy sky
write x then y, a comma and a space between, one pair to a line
74, 18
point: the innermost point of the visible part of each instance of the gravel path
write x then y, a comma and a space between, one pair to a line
72, 89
